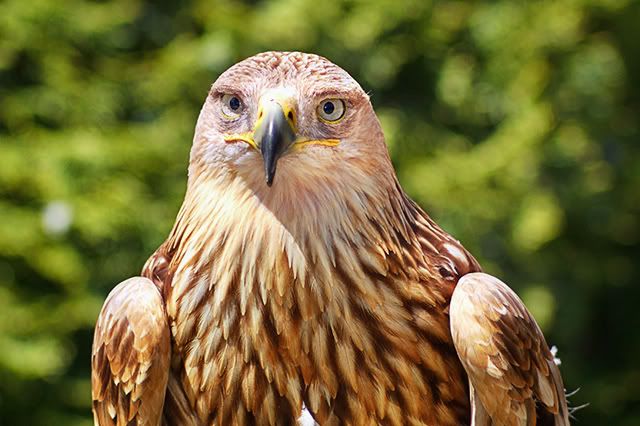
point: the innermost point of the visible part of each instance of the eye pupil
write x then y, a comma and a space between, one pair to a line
328, 108
234, 103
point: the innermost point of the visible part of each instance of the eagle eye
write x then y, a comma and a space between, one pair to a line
231, 106
331, 110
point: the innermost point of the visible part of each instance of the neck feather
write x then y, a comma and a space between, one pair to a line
235, 218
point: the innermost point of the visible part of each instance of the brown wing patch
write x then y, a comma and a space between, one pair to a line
130, 357
449, 259
505, 355
157, 268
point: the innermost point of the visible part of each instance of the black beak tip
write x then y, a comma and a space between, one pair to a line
270, 174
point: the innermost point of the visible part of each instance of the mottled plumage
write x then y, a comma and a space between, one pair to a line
322, 284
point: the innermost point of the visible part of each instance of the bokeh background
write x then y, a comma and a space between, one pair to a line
515, 124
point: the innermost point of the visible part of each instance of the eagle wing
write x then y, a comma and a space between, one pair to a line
130, 356
513, 377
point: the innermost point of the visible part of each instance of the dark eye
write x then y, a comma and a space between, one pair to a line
234, 103
328, 108
331, 110
231, 106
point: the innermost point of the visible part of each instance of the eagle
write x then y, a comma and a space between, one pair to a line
300, 276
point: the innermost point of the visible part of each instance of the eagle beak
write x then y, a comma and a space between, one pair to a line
274, 133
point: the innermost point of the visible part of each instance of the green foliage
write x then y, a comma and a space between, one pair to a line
515, 124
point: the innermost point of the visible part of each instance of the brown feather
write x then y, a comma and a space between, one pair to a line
130, 358
511, 369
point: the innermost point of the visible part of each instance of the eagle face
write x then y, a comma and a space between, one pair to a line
277, 120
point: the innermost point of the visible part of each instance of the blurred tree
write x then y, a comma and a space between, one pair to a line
515, 124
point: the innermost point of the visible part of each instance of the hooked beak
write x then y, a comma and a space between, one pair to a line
274, 134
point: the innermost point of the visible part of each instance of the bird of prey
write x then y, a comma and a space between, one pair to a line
299, 274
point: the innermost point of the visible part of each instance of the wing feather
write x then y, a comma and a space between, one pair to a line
513, 378
130, 356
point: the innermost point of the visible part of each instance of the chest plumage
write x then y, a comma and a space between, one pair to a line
350, 317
